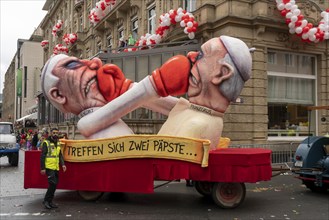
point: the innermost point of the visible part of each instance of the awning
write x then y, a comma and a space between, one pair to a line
31, 116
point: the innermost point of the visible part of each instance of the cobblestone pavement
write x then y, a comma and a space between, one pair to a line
13, 185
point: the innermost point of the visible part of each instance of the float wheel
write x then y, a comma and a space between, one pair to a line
204, 188
90, 195
228, 195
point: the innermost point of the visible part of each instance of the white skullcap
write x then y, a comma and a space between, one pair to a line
240, 55
49, 80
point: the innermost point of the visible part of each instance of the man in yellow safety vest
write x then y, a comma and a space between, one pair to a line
51, 157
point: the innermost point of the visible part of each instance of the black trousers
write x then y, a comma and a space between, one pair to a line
52, 184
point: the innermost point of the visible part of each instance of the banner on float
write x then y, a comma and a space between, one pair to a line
137, 146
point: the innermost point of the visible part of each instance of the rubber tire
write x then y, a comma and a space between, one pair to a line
90, 195
204, 188
311, 185
13, 159
228, 195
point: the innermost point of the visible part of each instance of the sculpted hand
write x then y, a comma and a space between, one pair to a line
43, 172
64, 168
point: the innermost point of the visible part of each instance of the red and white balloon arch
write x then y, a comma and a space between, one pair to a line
300, 26
185, 20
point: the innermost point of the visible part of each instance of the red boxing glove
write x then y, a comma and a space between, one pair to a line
172, 77
111, 81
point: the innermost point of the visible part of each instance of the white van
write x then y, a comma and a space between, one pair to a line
8, 145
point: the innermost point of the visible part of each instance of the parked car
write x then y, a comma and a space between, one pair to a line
8, 145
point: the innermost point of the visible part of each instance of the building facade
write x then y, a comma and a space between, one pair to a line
288, 74
22, 81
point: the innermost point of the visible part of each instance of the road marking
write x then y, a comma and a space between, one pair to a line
21, 214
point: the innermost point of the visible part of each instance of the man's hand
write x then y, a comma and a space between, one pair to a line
172, 77
43, 172
64, 168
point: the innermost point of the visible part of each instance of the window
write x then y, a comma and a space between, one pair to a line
291, 88
25, 81
81, 23
189, 5
271, 58
151, 20
99, 46
109, 40
134, 28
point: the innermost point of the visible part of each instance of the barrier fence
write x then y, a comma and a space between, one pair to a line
281, 152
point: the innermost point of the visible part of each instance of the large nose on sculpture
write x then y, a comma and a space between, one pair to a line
93, 64
192, 56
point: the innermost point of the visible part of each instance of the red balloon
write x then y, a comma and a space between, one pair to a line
310, 25
306, 29
286, 1
284, 12
300, 17
298, 23
195, 24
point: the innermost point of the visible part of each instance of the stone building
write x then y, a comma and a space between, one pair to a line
288, 74
22, 81
9, 92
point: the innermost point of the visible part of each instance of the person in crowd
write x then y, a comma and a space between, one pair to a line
50, 161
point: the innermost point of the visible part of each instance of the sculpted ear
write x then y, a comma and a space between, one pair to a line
226, 71
56, 95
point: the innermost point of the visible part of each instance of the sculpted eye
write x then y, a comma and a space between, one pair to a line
73, 64
200, 55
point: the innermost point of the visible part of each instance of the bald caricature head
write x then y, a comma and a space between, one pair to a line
70, 84
219, 72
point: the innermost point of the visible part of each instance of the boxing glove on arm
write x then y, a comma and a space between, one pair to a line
172, 77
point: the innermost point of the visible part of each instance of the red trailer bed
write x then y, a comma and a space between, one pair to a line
231, 165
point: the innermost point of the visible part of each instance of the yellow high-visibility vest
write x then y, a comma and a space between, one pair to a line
52, 158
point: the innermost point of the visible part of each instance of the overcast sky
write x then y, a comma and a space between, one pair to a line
18, 21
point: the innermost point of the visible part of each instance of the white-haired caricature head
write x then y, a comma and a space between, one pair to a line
49, 80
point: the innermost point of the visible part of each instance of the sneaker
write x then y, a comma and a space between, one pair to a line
46, 204
52, 205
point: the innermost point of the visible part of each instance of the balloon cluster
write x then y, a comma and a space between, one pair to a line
185, 19
44, 43
59, 48
300, 26
70, 38
56, 27
101, 9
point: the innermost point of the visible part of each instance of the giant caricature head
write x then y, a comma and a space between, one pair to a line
73, 85
219, 69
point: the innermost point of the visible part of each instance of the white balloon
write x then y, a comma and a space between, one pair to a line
182, 24
294, 18
280, 6
191, 35
288, 15
291, 25
312, 31
171, 11
312, 38
326, 35
288, 6
304, 23
292, 30
304, 36
299, 30
179, 10
296, 12
189, 24
177, 18
294, 7
185, 30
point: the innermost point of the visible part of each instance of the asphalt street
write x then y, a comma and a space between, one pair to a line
284, 197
